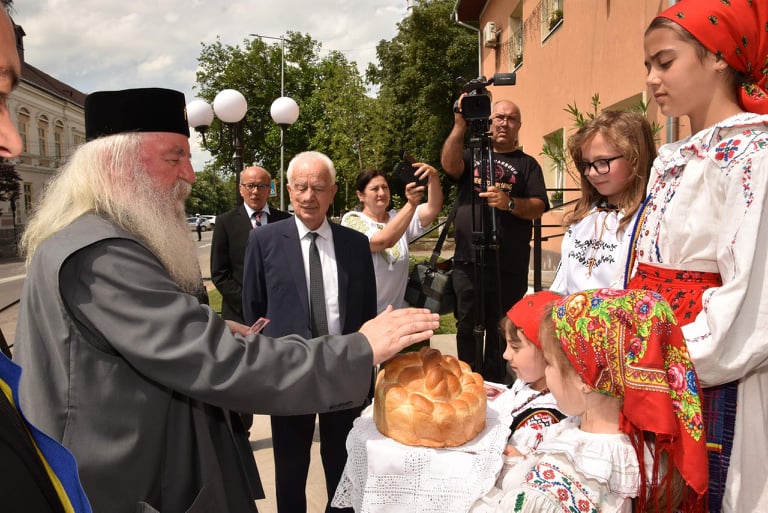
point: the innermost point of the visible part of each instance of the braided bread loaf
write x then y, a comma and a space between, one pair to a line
429, 399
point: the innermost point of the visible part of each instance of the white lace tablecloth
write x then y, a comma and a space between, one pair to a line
382, 475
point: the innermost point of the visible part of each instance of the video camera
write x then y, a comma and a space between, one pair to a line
476, 105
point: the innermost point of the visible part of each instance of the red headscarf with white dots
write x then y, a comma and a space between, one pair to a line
737, 31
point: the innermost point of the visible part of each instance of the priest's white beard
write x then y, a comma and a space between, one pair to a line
158, 218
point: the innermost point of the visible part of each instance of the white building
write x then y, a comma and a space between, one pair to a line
50, 119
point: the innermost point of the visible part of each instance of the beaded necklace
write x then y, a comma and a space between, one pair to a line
529, 400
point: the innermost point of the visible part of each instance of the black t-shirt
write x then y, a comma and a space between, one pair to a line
519, 175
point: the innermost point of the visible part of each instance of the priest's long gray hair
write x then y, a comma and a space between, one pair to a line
106, 177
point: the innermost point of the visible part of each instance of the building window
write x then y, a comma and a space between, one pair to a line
23, 126
27, 197
515, 43
77, 138
551, 16
58, 138
555, 152
42, 136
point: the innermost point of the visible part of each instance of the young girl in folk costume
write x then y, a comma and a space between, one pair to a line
534, 407
702, 239
613, 154
617, 361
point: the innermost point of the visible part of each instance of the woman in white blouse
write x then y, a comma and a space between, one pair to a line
390, 231
613, 153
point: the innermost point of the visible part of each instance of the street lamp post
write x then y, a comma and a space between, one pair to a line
282, 95
231, 108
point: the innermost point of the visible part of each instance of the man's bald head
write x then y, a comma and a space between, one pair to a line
255, 197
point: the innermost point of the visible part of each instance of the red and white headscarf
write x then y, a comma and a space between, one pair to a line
627, 344
528, 313
736, 31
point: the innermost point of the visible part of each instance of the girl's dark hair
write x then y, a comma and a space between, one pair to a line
632, 136
507, 328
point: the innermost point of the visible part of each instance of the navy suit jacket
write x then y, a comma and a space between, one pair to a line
275, 286
230, 236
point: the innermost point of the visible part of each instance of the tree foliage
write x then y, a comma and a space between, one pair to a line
9, 184
415, 82
328, 90
211, 193
416, 76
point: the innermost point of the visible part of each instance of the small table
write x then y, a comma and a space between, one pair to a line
382, 475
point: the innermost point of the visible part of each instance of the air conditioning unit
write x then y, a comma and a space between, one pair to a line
490, 36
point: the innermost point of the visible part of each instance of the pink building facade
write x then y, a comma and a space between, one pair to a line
564, 52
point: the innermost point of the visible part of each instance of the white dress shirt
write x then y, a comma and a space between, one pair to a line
264, 218
327, 252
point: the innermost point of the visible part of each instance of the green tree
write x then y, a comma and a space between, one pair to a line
10, 190
329, 91
416, 80
211, 193
339, 111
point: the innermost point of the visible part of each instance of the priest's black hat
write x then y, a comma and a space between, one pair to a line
135, 110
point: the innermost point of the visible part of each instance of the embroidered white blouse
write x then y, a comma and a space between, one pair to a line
571, 470
593, 253
706, 213
529, 433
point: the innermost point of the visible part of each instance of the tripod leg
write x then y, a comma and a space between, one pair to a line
479, 335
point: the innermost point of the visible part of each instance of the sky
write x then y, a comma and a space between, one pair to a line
97, 45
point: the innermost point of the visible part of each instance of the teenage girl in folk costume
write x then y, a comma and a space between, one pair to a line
703, 241
613, 154
618, 365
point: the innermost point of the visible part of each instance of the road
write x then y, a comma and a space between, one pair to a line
13, 272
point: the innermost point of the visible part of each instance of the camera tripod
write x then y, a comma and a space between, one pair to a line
485, 241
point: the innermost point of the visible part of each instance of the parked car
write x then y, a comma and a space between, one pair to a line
191, 221
211, 220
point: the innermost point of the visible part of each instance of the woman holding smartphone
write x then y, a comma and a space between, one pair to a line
390, 231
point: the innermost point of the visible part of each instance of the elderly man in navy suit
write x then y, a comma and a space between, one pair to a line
231, 236
308, 277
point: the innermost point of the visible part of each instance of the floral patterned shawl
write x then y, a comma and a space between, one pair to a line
627, 344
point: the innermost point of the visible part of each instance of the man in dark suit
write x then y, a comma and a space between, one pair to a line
281, 283
231, 236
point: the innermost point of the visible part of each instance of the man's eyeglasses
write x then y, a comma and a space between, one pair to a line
252, 186
502, 119
602, 166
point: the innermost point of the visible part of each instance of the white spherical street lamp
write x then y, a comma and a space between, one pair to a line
231, 107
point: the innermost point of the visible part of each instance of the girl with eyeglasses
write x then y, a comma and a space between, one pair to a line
613, 154
703, 241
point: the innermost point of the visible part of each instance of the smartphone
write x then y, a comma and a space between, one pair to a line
405, 170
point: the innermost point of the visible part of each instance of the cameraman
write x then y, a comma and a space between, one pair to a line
518, 196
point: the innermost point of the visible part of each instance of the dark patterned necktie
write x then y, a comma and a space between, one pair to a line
317, 317
256, 216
